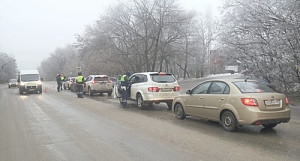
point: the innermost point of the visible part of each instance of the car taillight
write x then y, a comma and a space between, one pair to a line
94, 82
153, 89
286, 100
249, 101
176, 88
162, 74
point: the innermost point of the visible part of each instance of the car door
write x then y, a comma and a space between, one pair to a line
87, 83
134, 86
215, 98
194, 102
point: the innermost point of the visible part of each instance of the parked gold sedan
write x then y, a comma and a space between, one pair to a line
233, 103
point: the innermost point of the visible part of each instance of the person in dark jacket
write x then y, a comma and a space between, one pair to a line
59, 83
125, 85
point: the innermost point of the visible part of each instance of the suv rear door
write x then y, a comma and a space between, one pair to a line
167, 84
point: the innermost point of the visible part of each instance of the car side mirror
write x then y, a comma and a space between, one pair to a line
189, 91
18, 80
42, 79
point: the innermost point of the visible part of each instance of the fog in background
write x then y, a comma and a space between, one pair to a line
30, 30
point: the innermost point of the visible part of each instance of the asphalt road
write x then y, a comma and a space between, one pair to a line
59, 126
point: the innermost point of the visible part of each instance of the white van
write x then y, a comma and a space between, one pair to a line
29, 81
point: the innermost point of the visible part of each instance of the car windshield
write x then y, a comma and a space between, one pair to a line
13, 81
101, 79
253, 87
167, 78
30, 77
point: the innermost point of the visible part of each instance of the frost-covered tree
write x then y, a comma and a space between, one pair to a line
8, 67
264, 36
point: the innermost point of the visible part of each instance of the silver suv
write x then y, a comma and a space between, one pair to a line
98, 84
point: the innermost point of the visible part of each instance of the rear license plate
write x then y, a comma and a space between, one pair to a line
166, 89
272, 102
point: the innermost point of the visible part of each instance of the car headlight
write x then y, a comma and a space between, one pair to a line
22, 84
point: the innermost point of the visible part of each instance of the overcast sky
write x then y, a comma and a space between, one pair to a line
30, 30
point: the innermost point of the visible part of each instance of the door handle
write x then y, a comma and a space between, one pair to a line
201, 98
222, 99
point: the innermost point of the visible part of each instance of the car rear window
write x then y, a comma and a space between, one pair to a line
101, 79
167, 78
253, 87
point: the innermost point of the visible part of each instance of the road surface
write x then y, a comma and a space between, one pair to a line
58, 126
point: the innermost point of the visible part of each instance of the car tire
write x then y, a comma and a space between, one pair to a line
269, 126
109, 93
65, 87
179, 111
20, 92
90, 93
8, 86
228, 121
140, 101
169, 105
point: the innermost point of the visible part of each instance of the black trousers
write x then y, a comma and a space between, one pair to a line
80, 90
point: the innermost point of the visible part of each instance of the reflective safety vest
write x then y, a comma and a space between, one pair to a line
62, 78
79, 79
123, 78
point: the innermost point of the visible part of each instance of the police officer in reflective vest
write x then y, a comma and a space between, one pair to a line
125, 88
62, 80
80, 84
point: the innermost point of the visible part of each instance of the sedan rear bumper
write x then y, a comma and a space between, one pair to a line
256, 117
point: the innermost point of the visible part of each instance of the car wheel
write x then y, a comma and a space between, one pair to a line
179, 111
169, 105
8, 86
90, 92
65, 87
120, 100
40, 91
21, 92
109, 93
228, 121
270, 126
140, 102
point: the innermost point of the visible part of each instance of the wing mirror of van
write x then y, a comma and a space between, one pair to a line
189, 91
42, 79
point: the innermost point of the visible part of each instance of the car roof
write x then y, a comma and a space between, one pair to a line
98, 75
149, 73
230, 80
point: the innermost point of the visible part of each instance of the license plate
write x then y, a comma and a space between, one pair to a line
166, 89
272, 102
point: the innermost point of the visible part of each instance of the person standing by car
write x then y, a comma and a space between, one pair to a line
59, 83
125, 88
62, 78
80, 84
